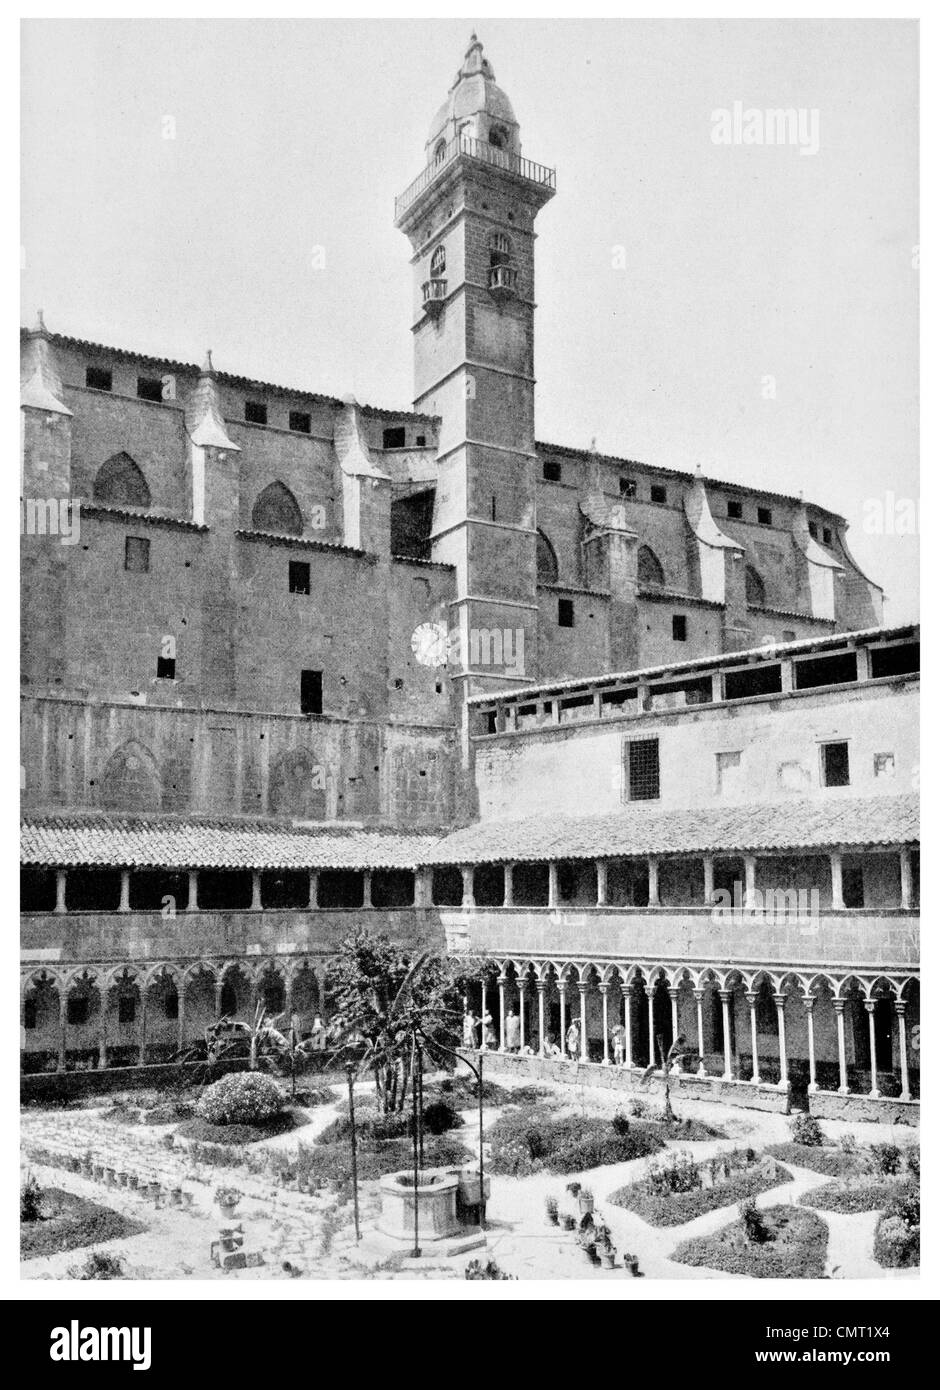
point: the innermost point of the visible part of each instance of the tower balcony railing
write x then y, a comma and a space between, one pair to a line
503, 278
434, 292
484, 153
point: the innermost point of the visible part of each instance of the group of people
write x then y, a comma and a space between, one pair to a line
473, 1027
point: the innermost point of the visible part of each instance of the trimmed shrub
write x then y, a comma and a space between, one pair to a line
99, 1265
897, 1235
886, 1159
241, 1098
370, 1128
491, 1270
794, 1248
30, 1199
675, 1207
807, 1130
830, 1161
440, 1116
200, 1133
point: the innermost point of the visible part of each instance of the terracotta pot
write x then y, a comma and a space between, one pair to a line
586, 1204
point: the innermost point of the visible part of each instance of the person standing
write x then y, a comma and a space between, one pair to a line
573, 1040
513, 1032
618, 1037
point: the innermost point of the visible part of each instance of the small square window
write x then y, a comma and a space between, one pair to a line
551, 471
835, 764
299, 421
256, 413
627, 487
788, 635
764, 516
736, 510
394, 437
827, 536
657, 493
127, 1008
166, 668
150, 388
136, 554
679, 627
565, 612
298, 576
884, 765
814, 530
98, 378
420, 440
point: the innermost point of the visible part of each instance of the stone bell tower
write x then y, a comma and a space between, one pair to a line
470, 218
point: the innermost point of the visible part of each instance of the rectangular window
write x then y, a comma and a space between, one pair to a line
765, 516
901, 660
627, 487
825, 670
299, 421
756, 680
853, 881
420, 440
150, 388
166, 668
835, 764
76, 1010
256, 413
98, 378
311, 692
394, 438
679, 627
735, 510
127, 1008
814, 530
136, 554
727, 773
643, 769
551, 471
298, 576
657, 493
565, 612
884, 766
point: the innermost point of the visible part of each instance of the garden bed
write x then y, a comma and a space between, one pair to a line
68, 1222
331, 1164
202, 1132
536, 1139
829, 1160
897, 1234
691, 1197
795, 1249
863, 1192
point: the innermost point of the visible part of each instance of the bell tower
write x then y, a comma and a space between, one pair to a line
470, 217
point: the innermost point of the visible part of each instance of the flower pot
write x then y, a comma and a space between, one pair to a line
552, 1218
133, 1181
227, 1210
176, 1196
632, 1266
568, 1222
585, 1204
608, 1259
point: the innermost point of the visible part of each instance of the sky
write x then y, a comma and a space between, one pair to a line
747, 307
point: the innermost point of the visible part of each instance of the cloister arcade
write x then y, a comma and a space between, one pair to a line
845, 1032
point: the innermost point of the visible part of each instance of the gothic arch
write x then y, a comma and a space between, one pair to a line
276, 509
546, 561
131, 779
120, 482
649, 571
754, 591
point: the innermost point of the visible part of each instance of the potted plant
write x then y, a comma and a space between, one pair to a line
573, 1187
585, 1200
227, 1199
551, 1210
568, 1222
608, 1257
631, 1264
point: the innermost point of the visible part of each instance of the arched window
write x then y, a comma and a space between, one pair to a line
649, 571
499, 137
131, 779
546, 563
502, 270
438, 263
753, 588
275, 509
120, 482
440, 149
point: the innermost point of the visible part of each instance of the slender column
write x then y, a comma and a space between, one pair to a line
562, 988
483, 1014
809, 1001
142, 1043
653, 870
60, 890
751, 998
255, 890
750, 875
553, 884
507, 885
780, 1001
367, 887
521, 986
906, 878
181, 1015
900, 1008
583, 989
605, 990
313, 901
650, 991
708, 865
601, 882
102, 1027
288, 997
63, 1027
501, 982
192, 901
541, 986
699, 995
835, 859
219, 984
839, 1006
674, 1001
627, 992
870, 1010
125, 904
466, 871
725, 995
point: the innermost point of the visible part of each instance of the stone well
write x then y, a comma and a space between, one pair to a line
437, 1205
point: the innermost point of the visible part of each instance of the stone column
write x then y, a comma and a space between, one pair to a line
809, 1001
125, 904
583, 989
751, 998
288, 997
780, 1001
900, 1008
835, 859
313, 901
507, 885
142, 1044
553, 884
466, 871
181, 1015
650, 991
605, 990
839, 1006
483, 1047
255, 891
219, 984
521, 986
699, 995
653, 870
63, 1026
627, 992
102, 1026
192, 900
562, 988
601, 882
750, 885
870, 1010
674, 1001
907, 886
541, 986
501, 982
725, 995
708, 866
367, 888
60, 890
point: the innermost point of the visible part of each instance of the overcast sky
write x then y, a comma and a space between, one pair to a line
674, 275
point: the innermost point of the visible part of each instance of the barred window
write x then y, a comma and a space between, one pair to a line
642, 759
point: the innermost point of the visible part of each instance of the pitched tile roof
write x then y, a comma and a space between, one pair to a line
76, 841
789, 825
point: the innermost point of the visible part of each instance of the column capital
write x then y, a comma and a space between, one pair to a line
839, 1005
809, 1002
870, 1006
584, 986
780, 1000
604, 986
751, 997
698, 993
725, 994
900, 1007
673, 991
541, 986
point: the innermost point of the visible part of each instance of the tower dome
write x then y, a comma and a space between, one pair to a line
475, 108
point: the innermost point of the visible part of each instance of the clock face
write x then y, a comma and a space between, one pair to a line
429, 644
